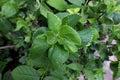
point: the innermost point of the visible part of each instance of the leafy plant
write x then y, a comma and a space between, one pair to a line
49, 40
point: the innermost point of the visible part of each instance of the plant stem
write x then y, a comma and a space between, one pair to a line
9, 46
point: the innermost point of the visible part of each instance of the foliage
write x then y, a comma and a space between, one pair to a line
57, 39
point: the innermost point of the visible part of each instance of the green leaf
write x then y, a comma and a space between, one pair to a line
114, 66
54, 22
73, 10
74, 57
39, 31
88, 35
68, 45
61, 15
2, 2
59, 5
21, 23
107, 2
23, 59
116, 18
118, 47
111, 4
116, 8
77, 2
20, 2
37, 56
71, 20
118, 73
75, 66
91, 64
107, 20
69, 38
27, 39
50, 78
9, 9
41, 71
25, 73
70, 34
99, 74
51, 37
39, 46
57, 55
89, 74
71, 46
95, 33
6, 76
59, 72
2, 65
44, 9
5, 25
83, 18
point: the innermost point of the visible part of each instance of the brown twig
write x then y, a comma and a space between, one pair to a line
9, 46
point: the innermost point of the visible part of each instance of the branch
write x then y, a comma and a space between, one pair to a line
86, 2
9, 46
